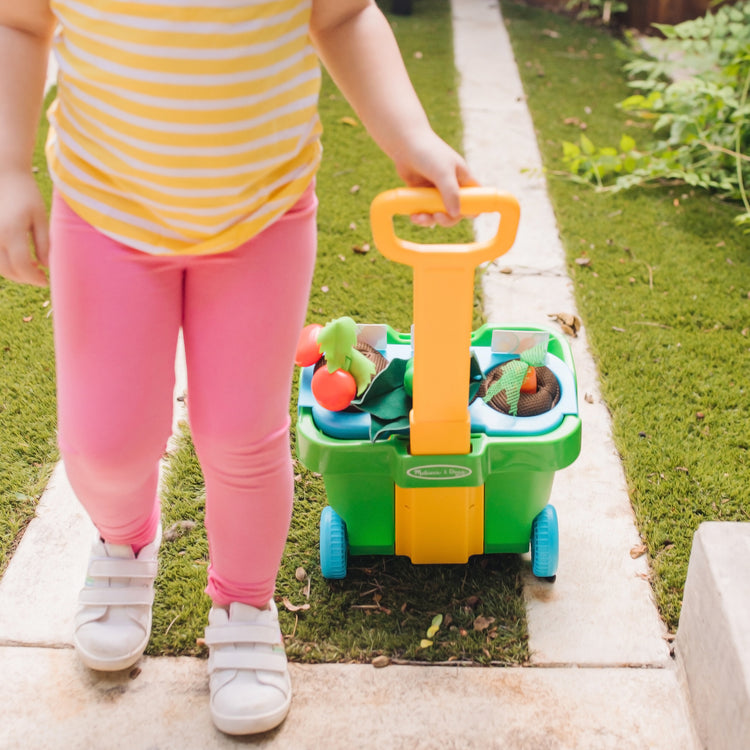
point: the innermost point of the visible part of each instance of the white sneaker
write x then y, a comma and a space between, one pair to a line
113, 622
248, 678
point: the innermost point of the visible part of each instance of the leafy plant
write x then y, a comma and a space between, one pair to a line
600, 10
700, 122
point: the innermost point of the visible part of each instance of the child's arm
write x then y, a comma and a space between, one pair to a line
25, 31
356, 44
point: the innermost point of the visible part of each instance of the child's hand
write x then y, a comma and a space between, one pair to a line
24, 230
433, 163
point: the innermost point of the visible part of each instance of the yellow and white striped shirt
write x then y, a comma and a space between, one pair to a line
183, 126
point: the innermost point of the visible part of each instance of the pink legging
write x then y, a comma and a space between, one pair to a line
117, 314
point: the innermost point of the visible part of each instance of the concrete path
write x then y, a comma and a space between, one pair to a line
602, 676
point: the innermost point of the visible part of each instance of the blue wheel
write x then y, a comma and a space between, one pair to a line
333, 544
545, 544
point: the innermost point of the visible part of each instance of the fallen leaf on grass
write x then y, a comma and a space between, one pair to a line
294, 607
424, 643
177, 529
482, 622
28, 319
381, 661
575, 122
349, 121
437, 621
361, 249
569, 322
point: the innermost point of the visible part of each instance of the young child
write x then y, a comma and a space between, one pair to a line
183, 147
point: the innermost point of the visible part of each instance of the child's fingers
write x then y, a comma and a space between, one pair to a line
40, 235
449, 186
465, 177
18, 264
438, 219
423, 220
24, 230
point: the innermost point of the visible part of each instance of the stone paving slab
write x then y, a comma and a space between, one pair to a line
59, 704
40, 587
713, 640
597, 618
600, 610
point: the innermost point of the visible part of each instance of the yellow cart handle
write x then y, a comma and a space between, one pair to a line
443, 304
473, 201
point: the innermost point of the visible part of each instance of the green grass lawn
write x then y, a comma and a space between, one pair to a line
27, 395
665, 299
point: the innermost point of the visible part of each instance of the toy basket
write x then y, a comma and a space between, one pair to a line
467, 479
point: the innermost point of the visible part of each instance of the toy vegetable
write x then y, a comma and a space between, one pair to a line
346, 371
519, 376
308, 351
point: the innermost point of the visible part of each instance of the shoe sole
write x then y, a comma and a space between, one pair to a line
110, 665
250, 724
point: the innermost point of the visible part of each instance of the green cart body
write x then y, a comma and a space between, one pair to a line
511, 467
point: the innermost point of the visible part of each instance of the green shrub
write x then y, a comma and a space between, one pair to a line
699, 122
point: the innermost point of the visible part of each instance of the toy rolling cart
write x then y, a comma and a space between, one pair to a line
467, 479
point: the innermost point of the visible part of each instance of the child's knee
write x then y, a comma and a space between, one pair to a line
112, 465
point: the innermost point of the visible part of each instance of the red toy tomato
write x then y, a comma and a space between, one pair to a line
308, 352
333, 390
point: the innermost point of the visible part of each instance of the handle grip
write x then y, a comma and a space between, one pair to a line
473, 201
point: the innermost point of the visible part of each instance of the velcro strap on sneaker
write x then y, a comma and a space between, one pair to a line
240, 633
262, 660
110, 596
112, 567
